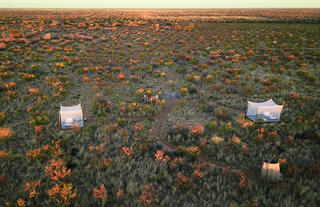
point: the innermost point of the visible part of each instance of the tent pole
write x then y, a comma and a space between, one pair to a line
59, 118
82, 114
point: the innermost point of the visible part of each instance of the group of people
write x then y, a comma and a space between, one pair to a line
148, 98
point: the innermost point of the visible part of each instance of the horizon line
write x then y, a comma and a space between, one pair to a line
165, 8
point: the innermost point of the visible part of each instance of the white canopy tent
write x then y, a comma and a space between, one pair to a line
71, 116
268, 111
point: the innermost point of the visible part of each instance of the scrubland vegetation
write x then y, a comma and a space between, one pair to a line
195, 148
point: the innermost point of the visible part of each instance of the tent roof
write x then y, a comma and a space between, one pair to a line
70, 108
262, 104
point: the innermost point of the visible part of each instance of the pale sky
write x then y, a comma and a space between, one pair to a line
159, 3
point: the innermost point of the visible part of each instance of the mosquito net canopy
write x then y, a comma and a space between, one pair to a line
71, 116
266, 111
